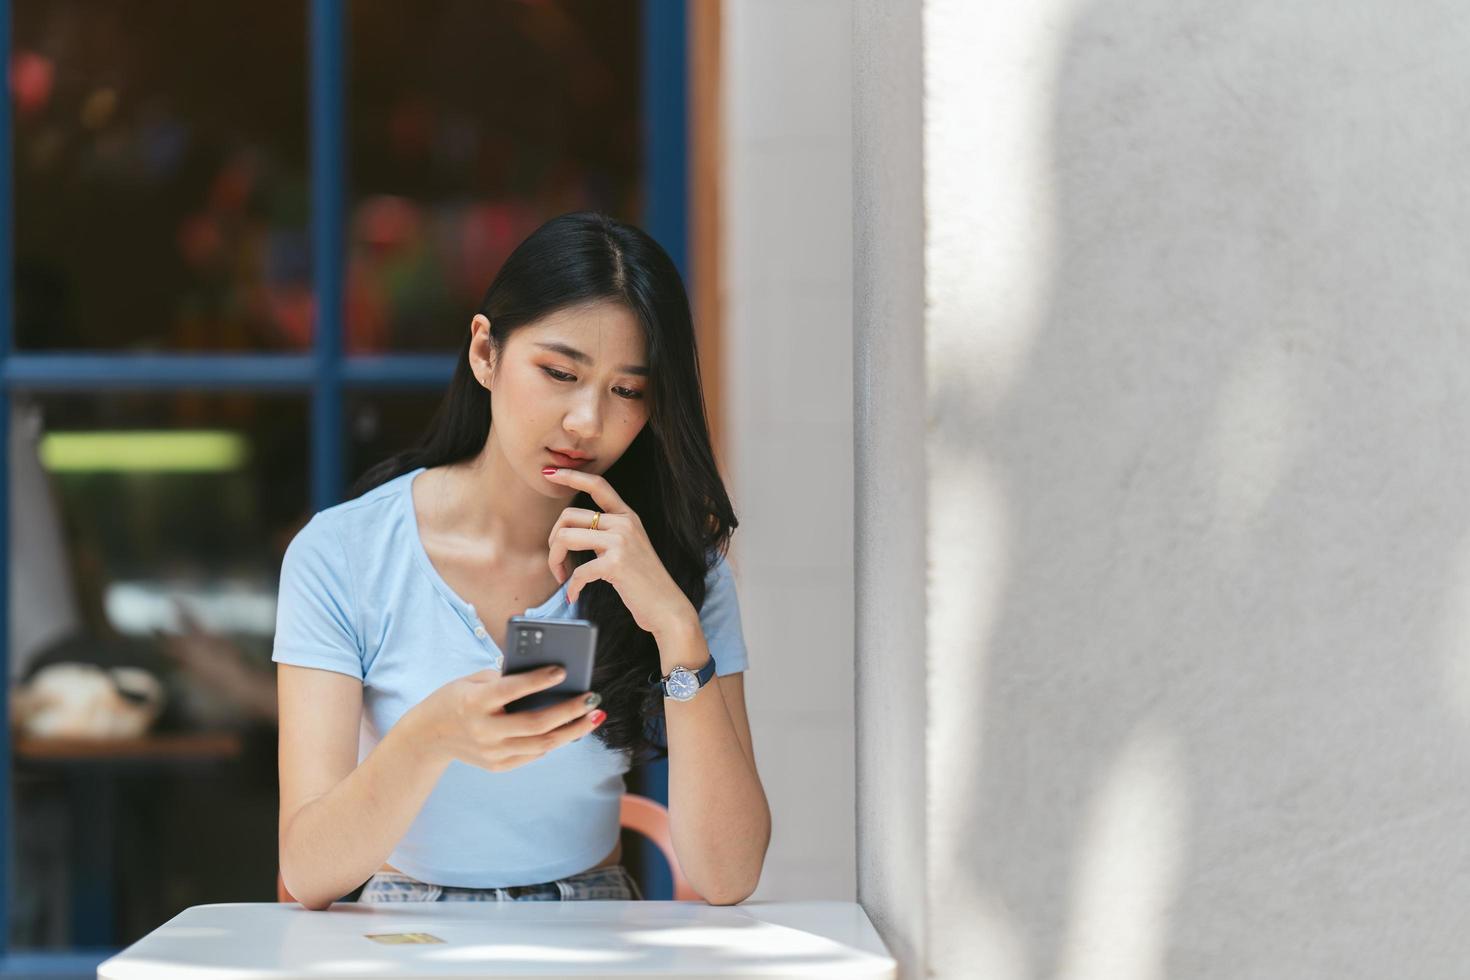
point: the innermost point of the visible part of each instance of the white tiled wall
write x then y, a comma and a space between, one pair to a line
788, 385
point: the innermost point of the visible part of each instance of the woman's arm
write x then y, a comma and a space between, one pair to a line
719, 819
341, 820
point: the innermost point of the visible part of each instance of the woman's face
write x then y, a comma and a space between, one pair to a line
574, 380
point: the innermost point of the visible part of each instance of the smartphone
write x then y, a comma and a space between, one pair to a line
532, 643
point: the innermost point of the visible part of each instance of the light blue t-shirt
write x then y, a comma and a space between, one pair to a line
359, 596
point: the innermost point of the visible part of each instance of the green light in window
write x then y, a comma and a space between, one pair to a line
143, 451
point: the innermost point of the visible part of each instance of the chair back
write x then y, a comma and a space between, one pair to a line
638, 813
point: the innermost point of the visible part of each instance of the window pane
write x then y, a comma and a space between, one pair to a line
469, 125
380, 424
161, 192
125, 506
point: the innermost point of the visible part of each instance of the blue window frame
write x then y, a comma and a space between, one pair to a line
325, 374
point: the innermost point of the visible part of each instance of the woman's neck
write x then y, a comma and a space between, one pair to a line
484, 500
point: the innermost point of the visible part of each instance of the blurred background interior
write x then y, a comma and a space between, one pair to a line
170, 160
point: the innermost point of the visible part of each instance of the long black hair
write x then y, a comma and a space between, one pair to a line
667, 475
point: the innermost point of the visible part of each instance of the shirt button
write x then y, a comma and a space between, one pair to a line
480, 632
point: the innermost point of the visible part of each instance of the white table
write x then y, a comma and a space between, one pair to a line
510, 939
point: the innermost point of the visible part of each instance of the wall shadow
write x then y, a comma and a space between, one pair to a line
1233, 481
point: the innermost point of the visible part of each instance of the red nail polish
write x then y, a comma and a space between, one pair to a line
548, 470
597, 717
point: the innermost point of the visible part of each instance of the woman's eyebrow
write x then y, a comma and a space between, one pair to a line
576, 355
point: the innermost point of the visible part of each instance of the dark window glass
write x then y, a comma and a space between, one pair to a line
161, 192
380, 424
470, 124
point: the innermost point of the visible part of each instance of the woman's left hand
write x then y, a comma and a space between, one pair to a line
625, 556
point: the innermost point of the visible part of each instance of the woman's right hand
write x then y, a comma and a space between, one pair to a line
466, 719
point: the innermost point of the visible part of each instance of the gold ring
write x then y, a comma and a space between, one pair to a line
595, 516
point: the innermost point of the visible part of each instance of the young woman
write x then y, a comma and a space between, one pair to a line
398, 764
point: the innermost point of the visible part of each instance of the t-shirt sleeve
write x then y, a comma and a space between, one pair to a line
720, 620
315, 605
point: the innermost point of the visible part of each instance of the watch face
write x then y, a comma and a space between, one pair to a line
682, 685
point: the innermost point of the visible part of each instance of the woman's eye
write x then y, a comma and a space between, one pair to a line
627, 393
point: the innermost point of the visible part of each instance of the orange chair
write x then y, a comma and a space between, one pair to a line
640, 814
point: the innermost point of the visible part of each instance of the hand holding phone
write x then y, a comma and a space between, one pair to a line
500, 720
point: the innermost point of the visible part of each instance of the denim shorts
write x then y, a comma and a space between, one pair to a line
612, 882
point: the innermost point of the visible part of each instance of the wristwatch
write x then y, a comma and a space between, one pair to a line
681, 683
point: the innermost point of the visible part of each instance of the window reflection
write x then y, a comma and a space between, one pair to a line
469, 125
150, 532
169, 509
160, 175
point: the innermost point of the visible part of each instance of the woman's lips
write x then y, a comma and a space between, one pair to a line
567, 461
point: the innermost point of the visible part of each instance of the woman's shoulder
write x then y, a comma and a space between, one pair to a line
357, 522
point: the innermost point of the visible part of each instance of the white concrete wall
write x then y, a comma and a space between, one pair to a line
890, 408
1193, 415
788, 388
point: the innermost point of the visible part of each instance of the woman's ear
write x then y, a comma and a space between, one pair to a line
482, 350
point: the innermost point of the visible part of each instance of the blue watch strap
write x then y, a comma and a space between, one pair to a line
706, 672
702, 675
